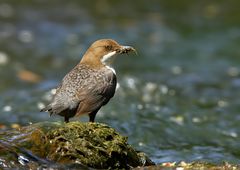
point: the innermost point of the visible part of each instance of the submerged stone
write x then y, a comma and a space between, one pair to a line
90, 144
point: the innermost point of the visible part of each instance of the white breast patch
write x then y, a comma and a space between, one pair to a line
107, 60
112, 69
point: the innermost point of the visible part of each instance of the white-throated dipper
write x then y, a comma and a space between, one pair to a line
90, 84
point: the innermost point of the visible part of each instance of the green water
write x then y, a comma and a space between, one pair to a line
178, 98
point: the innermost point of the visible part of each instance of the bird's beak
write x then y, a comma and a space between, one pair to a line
126, 49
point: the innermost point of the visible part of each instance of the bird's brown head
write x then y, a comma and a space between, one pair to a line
101, 52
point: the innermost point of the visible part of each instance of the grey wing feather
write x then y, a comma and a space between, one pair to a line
67, 96
99, 95
83, 90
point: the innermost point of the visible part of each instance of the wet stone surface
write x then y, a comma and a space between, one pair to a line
92, 145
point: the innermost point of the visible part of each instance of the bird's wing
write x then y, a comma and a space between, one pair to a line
67, 96
83, 90
99, 94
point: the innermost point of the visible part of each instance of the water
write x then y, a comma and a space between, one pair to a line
178, 98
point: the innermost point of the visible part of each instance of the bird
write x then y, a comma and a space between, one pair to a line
90, 84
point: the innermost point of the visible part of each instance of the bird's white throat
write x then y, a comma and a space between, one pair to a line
108, 59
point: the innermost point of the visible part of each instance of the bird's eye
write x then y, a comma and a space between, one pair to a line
108, 47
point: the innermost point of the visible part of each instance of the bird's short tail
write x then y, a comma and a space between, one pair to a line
46, 109
43, 110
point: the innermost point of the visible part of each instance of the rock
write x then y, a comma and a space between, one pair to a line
195, 165
92, 145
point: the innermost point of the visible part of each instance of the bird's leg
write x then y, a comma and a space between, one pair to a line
92, 116
66, 119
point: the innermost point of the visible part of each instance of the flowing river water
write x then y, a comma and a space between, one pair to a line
178, 98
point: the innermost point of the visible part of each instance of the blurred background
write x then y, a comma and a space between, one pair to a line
178, 98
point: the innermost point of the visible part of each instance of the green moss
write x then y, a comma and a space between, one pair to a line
92, 144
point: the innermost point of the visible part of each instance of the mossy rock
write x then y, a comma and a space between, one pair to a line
91, 144
192, 166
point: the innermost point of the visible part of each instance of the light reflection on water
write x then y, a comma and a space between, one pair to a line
178, 98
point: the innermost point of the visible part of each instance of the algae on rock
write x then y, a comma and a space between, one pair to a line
92, 144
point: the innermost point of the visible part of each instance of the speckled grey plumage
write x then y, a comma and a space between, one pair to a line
83, 91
